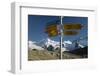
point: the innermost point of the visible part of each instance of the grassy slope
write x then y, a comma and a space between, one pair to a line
42, 55
49, 55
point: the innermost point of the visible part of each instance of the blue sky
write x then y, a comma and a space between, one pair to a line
37, 24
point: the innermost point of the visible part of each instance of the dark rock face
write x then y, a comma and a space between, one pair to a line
83, 52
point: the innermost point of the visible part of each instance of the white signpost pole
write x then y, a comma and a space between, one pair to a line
61, 38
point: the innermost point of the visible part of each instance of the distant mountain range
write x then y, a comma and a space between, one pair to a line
67, 45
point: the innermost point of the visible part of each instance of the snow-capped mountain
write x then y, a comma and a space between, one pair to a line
55, 44
47, 42
67, 45
32, 45
67, 42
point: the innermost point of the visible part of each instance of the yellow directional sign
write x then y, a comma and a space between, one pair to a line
70, 32
69, 29
53, 33
72, 26
51, 30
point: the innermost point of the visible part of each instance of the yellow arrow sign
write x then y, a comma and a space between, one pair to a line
51, 28
72, 26
52, 33
70, 32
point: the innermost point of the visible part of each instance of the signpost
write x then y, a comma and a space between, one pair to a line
70, 33
52, 30
72, 26
53, 33
64, 29
61, 37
